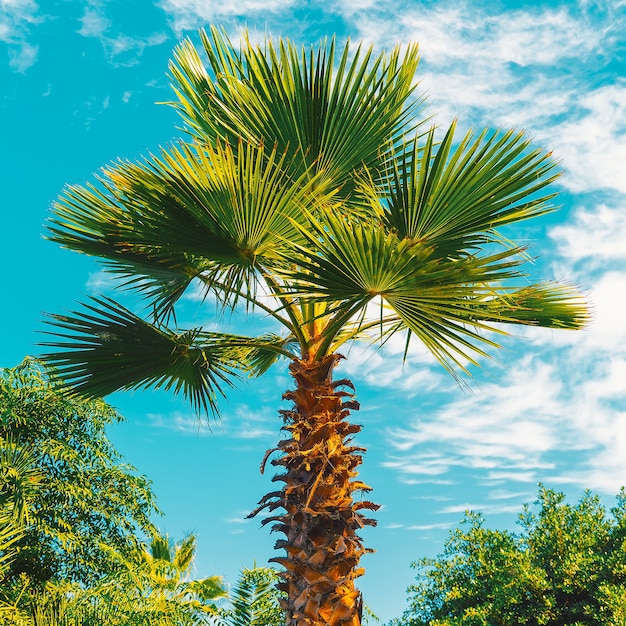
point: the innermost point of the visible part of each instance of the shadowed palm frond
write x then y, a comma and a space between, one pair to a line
254, 600
106, 347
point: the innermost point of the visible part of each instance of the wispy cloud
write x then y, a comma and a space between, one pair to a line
515, 429
596, 233
16, 19
527, 68
191, 14
483, 507
242, 424
438, 526
95, 23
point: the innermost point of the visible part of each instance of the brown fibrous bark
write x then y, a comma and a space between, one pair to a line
320, 517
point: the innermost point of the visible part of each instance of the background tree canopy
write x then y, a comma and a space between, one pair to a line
566, 566
88, 501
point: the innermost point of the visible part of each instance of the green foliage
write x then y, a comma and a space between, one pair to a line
306, 175
566, 567
88, 501
20, 483
152, 588
155, 586
254, 601
70, 512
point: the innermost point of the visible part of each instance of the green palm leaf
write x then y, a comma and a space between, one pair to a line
337, 115
453, 198
215, 213
448, 303
106, 347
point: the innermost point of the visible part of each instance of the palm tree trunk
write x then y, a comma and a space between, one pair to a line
320, 518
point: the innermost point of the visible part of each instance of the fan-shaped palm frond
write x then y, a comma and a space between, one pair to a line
338, 115
196, 211
454, 197
432, 252
107, 347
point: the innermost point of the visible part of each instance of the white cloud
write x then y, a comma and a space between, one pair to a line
527, 69
22, 57
101, 282
115, 46
485, 509
595, 235
93, 23
16, 17
608, 330
243, 424
439, 526
512, 429
592, 143
191, 14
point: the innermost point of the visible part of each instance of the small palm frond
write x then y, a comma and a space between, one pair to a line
254, 601
335, 114
20, 482
106, 348
549, 305
261, 353
206, 589
454, 198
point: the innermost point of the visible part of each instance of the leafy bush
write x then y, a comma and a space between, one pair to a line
567, 566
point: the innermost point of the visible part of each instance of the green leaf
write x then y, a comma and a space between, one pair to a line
448, 303
106, 348
109, 348
453, 198
215, 213
337, 115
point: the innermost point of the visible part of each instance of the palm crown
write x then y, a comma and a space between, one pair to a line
308, 180
307, 190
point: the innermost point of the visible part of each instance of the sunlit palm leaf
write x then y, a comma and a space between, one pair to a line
215, 212
338, 115
109, 348
106, 347
453, 198
448, 303
364, 261
20, 483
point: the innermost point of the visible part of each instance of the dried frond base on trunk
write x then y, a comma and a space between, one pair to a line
320, 518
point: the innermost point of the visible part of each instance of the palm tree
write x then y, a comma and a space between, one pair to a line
254, 601
307, 191
165, 571
154, 585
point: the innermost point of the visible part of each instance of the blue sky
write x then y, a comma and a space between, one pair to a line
79, 82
